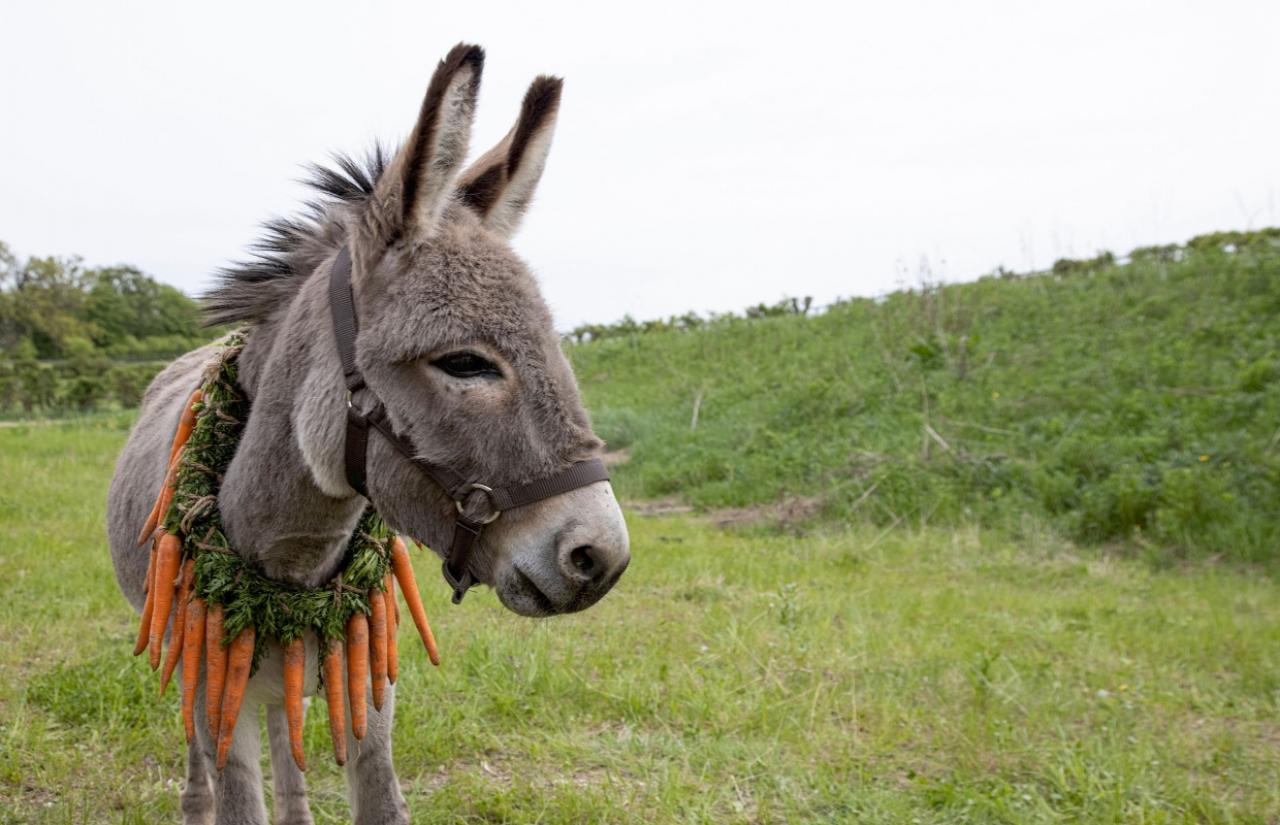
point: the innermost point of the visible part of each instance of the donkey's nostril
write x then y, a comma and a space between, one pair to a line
582, 559
588, 561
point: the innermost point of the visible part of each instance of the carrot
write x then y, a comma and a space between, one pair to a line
239, 663
378, 646
192, 649
148, 607
295, 661
357, 670
333, 696
170, 487
409, 586
393, 624
170, 556
163, 500
153, 518
215, 667
178, 636
186, 423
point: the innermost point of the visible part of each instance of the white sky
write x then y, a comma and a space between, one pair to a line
708, 156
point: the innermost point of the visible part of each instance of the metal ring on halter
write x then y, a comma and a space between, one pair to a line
471, 487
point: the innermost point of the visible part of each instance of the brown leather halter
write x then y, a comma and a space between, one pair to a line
463, 491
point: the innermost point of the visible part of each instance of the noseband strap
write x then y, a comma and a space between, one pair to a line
477, 504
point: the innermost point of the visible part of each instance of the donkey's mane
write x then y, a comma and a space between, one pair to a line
292, 247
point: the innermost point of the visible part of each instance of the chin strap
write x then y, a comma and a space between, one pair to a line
477, 504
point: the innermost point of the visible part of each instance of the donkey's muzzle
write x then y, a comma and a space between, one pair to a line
573, 562
590, 570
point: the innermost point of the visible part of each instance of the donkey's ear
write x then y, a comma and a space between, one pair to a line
418, 183
500, 184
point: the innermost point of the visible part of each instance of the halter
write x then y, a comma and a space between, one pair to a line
463, 491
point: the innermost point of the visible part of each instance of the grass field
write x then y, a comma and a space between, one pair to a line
847, 674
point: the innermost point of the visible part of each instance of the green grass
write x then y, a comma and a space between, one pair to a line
1136, 403
854, 674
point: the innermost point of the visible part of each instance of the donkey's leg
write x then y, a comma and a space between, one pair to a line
290, 803
197, 795
238, 787
372, 785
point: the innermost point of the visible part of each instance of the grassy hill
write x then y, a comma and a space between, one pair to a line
1135, 401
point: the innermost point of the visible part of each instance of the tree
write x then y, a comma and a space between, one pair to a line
122, 302
49, 301
44, 302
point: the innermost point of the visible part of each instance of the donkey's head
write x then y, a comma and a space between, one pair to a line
456, 342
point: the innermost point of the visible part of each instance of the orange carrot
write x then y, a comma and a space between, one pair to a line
166, 492
393, 624
295, 661
409, 586
186, 423
170, 556
148, 607
333, 695
378, 646
215, 667
239, 663
192, 650
153, 518
357, 670
178, 636
163, 500
151, 570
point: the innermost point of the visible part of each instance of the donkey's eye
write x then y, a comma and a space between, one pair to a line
467, 365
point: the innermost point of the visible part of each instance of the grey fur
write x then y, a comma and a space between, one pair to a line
290, 796
430, 278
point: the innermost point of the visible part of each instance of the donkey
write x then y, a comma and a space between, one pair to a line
457, 344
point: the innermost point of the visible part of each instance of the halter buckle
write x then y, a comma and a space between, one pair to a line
460, 500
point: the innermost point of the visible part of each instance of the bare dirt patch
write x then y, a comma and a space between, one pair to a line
658, 507
785, 513
613, 458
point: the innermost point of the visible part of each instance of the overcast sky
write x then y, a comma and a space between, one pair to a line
708, 155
